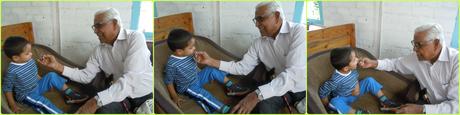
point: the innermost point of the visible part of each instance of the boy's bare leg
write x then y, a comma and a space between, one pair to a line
64, 87
352, 111
380, 93
225, 79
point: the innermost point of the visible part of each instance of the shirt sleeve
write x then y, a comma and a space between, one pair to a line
451, 104
8, 82
243, 67
399, 65
326, 89
293, 78
169, 75
137, 74
85, 75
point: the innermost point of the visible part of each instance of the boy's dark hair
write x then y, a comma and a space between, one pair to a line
14, 46
178, 39
340, 57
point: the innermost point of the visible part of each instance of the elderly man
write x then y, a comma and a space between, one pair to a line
282, 47
434, 65
123, 54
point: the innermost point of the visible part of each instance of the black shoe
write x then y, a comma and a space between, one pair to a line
236, 90
362, 111
74, 97
389, 104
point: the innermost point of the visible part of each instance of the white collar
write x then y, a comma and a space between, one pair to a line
121, 36
337, 71
284, 27
20, 64
179, 57
444, 56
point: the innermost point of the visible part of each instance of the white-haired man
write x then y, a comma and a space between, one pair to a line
123, 54
435, 66
282, 47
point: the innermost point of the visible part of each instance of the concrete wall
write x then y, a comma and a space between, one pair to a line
386, 28
63, 26
229, 24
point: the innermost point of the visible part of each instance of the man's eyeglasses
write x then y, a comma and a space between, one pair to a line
261, 18
99, 25
418, 45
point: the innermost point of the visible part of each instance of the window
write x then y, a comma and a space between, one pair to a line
315, 13
142, 18
299, 12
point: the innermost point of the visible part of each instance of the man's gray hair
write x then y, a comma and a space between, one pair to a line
109, 14
433, 31
272, 7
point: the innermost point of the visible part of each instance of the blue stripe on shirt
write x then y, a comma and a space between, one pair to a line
182, 72
339, 85
21, 79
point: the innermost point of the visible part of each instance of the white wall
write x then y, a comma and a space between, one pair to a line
386, 28
229, 24
63, 26
400, 20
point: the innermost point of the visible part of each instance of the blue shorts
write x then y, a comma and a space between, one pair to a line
342, 103
36, 100
201, 95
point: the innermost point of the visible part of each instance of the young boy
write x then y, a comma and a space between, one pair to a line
344, 84
22, 78
182, 70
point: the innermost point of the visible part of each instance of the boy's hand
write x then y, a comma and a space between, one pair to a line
178, 101
355, 92
12, 103
16, 109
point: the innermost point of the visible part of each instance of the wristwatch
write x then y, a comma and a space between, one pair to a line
259, 95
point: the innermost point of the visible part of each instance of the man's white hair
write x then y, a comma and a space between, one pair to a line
433, 31
109, 14
272, 6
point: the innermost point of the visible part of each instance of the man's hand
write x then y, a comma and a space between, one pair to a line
410, 109
355, 92
50, 62
203, 58
246, 105
367, 63
89, 107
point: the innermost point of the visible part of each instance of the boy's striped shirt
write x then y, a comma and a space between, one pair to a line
182, 71
21, 78
339, 84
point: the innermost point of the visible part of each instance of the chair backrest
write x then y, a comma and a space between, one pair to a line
331, 37
21, 29
166, 23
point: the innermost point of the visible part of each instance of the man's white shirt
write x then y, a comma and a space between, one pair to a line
128, 61
440, 78
286, 53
